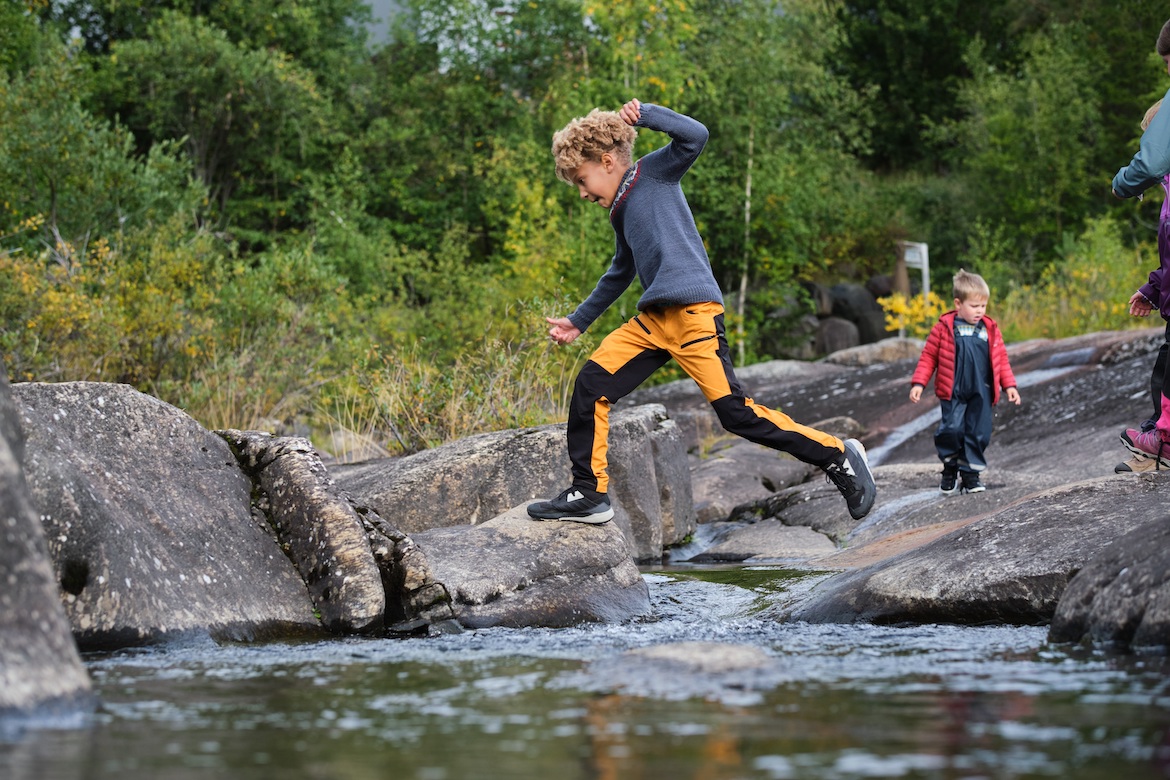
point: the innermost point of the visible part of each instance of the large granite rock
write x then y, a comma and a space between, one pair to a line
1009, 567
735, 471
515, 571
39, 663
472, 480
149, 522
1121, 598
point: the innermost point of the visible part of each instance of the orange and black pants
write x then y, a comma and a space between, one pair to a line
693, 335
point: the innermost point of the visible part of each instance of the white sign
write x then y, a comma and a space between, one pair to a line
917, 255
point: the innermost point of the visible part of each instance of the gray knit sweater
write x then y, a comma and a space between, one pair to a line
653, 227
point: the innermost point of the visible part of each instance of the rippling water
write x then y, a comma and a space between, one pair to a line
827, 702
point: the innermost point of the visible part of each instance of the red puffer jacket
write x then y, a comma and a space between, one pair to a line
939, 353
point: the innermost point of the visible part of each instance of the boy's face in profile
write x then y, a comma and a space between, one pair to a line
972, 309
598, 181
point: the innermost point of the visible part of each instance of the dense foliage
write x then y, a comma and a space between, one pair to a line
255, 212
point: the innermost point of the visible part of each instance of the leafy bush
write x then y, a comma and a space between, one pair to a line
1086, 289
913, 316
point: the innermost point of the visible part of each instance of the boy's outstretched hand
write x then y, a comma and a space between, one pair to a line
631, 112
562, 331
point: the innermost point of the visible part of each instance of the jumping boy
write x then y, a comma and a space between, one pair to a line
967, 350
680, 313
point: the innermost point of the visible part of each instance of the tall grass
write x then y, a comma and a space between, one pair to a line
407, 399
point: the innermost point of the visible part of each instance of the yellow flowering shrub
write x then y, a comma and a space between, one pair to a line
913, 316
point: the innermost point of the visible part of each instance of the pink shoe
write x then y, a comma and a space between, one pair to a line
1149, 444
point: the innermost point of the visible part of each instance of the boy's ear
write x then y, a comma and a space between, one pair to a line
607, 162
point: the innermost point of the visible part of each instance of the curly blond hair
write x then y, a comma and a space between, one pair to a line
586, 138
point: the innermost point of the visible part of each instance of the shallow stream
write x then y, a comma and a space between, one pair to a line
840, 701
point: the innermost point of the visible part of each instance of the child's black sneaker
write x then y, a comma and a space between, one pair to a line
950, 479
971, 483
572, 504
854, 479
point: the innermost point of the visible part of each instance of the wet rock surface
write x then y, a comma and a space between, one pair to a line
1121, 596
1052, 504
515, 571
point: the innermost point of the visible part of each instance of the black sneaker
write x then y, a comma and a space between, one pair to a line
950, 479
971, 483
854, 479
573, 504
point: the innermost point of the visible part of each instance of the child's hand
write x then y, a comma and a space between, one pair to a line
1139, 306
915, 393
631, 112
562, 331
1013, 395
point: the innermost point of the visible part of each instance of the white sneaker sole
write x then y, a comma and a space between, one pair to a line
594, 519
859, 448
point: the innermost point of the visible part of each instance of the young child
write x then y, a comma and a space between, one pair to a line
968, 352
1146, 441
1150, 444
680, 313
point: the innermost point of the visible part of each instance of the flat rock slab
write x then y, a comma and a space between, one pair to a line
514, 571
768, 540
720, 671
735, 471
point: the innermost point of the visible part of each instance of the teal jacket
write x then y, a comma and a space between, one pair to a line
1152, 160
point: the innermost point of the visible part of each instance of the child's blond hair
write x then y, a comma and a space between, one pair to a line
969, 285
586, 138
1149, 117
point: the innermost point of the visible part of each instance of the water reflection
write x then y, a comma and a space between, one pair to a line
825, 702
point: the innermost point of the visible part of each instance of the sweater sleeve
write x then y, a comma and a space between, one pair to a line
1152, 160
609, 287
687, 138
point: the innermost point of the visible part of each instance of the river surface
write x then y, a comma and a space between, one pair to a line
839, 701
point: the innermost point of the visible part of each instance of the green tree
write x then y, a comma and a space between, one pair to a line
20, 37
1026, 146
250, 120
327, 37
75, 171
909, 55
784, 129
